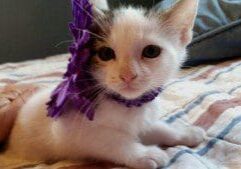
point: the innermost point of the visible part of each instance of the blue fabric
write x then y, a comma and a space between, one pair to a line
217, 31
216, 13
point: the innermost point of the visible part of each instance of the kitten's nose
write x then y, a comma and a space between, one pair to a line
127, 78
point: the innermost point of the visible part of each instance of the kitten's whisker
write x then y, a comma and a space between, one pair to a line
83, 91
96, 35
88, 89
76, 66
87, 71
94, 102
96, 95
98, 98
62, 42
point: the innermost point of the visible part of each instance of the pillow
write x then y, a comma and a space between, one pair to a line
217, 31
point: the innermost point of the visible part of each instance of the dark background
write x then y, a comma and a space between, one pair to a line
32, 29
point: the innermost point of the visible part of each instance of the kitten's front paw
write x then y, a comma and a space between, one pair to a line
195, 137
153, 158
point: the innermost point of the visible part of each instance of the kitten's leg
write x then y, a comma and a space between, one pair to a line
124, 150
139, 156
171, 135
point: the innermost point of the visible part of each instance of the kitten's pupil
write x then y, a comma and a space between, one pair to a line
106, 53
151, 51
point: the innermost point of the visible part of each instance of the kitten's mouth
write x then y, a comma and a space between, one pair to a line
130, 91
129, 88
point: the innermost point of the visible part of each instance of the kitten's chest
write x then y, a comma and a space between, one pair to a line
111, 118
120, 117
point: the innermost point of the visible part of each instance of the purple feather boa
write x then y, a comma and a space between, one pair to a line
73, 91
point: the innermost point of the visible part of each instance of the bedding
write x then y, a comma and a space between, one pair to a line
207, 96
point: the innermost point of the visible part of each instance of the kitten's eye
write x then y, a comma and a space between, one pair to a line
151, 51
106, 53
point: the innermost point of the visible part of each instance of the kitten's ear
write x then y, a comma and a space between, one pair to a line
100, 7
181, 19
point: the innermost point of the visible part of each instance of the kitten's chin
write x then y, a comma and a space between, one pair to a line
130, 93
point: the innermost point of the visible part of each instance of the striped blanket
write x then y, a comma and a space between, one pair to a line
207, 96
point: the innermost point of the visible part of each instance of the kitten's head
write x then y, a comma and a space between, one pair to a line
139, 50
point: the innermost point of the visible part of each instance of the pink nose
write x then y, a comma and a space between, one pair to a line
127, 78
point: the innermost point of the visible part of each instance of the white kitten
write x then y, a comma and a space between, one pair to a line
140, 51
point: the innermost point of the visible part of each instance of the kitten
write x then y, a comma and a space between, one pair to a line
138, 51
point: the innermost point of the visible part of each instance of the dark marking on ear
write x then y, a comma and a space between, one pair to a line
102, 24
100, 29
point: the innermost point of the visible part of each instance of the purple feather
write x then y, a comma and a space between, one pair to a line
70, 94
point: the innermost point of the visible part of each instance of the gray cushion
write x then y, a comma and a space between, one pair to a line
217, 32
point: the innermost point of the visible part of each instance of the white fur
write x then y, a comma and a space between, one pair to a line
119, 134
